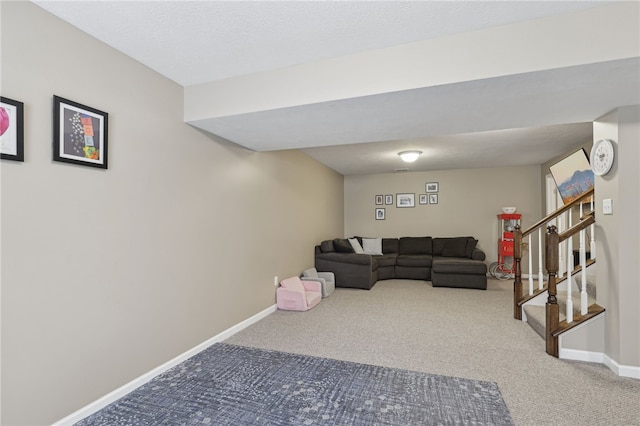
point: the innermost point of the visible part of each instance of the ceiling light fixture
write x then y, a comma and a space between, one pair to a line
409, 156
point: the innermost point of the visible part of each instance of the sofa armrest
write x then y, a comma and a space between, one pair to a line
318, 279
315, 286
478, 254
328, 276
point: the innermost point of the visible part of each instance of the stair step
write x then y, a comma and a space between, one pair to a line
537, 317
575, 297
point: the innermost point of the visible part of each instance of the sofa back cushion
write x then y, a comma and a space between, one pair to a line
471, 245
415, 245
293, 283
327, 246
389, 245
454, 247
342, 245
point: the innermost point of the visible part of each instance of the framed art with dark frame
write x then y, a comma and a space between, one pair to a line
11, 129
79, 134
388, 200
423, 199
433, 198
379, 214
431, 187
405, 200
378, 200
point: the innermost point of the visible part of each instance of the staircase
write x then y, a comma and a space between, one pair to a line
564, 300
535, 313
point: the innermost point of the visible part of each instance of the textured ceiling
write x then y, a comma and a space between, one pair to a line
472, 124
194, 42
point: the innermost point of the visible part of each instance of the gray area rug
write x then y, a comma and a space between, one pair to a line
235, 385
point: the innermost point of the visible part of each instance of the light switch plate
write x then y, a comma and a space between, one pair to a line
607, 206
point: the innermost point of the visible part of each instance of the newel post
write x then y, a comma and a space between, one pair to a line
517, 283
552, 240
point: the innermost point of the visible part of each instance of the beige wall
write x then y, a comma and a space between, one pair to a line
618, 236
468, 203
108, 274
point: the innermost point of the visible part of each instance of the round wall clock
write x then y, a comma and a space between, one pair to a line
601, 157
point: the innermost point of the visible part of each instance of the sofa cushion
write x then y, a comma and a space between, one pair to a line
356, 245
327, 246
387, 259
440, 243
372, 245
389, 245
471, 245
415, 245
415, 260
448, 265
342, 245
455, 247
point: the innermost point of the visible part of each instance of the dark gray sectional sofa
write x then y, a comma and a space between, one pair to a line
446, 262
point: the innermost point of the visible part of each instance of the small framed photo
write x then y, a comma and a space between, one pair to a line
378, 200
423, 199
388, 200
79, 134
433, 198
379, 214
405, 200
11, 129
431, 187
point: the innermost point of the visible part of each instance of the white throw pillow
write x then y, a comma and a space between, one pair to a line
356, 245
372, 245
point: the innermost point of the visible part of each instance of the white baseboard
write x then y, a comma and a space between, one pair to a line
622, 370
135, 383
586, 356
601, 358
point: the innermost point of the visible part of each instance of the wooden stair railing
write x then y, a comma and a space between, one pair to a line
554, 327
518, 293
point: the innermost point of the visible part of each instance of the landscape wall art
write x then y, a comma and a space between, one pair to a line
573, 176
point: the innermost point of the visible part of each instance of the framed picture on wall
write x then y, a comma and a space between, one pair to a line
431, 187
79, 134
405, 200
378, 200
388, 200
433, 198
379, 214
11, 129
423, 199
573, 176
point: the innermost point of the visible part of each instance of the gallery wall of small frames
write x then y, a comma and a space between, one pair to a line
406, 199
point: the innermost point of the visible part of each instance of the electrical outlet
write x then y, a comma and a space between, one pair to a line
275, 281
607, 206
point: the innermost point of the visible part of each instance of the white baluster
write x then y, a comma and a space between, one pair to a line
530, 267
570, 260
569, 278
561, 223
592, 231
540, 273
583, 275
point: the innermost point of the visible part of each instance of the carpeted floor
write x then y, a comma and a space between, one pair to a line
235, 385
454, 332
